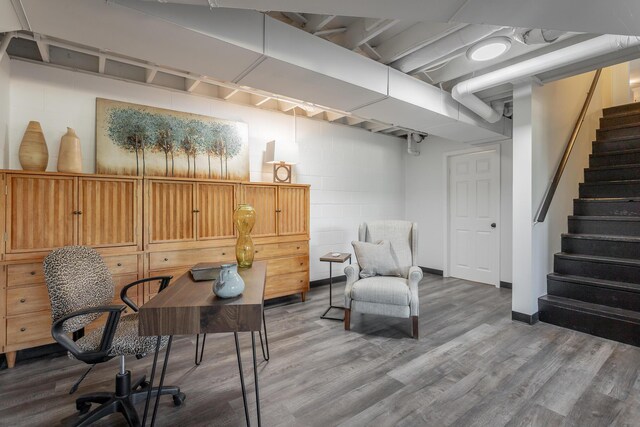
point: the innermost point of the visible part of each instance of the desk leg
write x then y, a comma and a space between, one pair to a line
164, 371
244, 390
266, 339
255, 376
153, 374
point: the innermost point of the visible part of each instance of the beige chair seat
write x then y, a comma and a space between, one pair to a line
382, 290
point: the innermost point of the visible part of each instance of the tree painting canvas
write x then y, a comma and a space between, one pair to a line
134, 139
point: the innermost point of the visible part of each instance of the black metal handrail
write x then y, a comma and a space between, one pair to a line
551, 190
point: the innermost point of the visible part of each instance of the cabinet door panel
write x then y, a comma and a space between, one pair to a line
292, 204
171, 212
263, 200
41, 213
216, 203
109, 212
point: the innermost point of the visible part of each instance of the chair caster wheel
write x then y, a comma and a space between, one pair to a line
83, 408
143, 385
178, 399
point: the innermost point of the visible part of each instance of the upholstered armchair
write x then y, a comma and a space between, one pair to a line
387, 295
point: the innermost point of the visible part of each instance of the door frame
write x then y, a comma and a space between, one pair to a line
446, 187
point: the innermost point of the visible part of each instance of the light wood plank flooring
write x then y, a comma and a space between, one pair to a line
473, 366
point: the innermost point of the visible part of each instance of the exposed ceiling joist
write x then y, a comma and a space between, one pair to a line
43, 48
330, 32
227, 93
376, 126
363, 30
318, 22
412, 39
258, 100
298, 18
191, 84
371, 52
332, 116
353, 121
285, 106
102, 63
150, 74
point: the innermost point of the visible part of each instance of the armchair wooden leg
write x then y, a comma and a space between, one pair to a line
347, 319
414, 326
11, 358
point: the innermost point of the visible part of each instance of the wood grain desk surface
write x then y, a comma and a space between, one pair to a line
189, 307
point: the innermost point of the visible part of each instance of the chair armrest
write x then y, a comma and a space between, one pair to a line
414, 277
102, 354
353, 275
164, 282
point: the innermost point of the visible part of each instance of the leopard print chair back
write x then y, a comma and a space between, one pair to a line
77, 278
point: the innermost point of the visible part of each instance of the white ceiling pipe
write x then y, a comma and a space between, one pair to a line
5, 43
445, 46
464, 91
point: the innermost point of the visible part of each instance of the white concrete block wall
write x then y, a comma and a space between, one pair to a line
354, 175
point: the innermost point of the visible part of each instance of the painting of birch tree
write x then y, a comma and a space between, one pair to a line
134, 139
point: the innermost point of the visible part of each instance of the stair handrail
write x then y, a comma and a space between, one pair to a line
551, 189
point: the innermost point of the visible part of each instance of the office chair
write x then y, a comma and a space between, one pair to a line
81, 290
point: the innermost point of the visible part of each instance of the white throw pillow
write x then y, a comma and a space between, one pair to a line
375, 259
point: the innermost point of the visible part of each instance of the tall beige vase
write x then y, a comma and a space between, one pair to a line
33, 153
70, 155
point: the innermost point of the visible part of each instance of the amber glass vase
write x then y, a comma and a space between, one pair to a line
245, 218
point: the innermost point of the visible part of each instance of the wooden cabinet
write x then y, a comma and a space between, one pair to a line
171, 211
216, 203
40, 213
108, 212
263, 198
143, 228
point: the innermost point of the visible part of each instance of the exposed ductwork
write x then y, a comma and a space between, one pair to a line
464, 92
412, 140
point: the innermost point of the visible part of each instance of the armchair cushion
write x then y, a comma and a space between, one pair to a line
126, 340
382, 290
376, 259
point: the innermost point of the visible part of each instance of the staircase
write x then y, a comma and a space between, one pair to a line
595, 286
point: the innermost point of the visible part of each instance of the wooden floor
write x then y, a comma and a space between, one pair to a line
473, 366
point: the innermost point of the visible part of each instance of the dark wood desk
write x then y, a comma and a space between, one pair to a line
190, 308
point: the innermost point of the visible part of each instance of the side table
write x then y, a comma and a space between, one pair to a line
331, 257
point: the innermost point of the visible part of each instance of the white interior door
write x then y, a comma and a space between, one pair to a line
474, 206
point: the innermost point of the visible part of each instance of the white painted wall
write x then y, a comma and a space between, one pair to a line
544, 117
5, 104
425, 190
354, 175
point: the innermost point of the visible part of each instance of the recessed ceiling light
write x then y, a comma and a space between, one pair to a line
489, 49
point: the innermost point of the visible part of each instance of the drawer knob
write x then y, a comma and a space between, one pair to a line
166, 259
23, 329
298, 247
256, 251
223, 253
23, 300
119, 264
301, 263
33, 273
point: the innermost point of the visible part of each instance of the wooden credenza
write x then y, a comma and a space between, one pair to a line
143, 228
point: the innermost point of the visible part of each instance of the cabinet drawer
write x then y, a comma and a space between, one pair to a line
27, 299
29, 327
273, 250
25, 274
122, 264
278, 266
286, 284
190, 257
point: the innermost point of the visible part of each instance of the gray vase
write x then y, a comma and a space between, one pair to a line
229, 283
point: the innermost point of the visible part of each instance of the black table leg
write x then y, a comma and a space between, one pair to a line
153, 374
266, 339
198, 360
244, 391
162, 374
324, 315
255, 376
